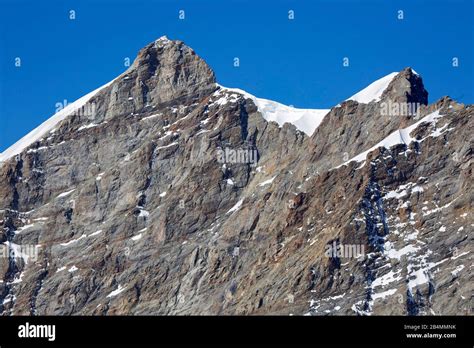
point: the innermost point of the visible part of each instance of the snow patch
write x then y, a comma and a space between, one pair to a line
151, 116
137, 237
72, 241
95, 233
397, 254
267, 182
306, 120
235, 207
64, 194
20, 229
457, 270
143, 213
384, 294
401, 136
166, 146
374, 91
87, 126
386, 279
116, 292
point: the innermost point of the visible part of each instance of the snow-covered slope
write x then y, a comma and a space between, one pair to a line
401, 136
48, 125
306, 120
374, 91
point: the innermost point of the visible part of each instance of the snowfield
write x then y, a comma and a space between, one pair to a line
306, 120
374, 91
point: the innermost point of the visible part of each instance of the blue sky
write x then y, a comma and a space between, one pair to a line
297, 62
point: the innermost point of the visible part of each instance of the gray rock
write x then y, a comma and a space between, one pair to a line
137, 214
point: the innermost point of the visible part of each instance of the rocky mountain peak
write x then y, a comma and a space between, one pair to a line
406, 87
176, 196
166, 70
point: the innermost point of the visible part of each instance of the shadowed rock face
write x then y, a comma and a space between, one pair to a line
406, 87
155, 205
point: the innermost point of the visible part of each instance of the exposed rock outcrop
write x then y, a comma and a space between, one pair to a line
175, 196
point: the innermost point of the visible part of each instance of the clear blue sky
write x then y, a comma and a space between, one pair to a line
297, 62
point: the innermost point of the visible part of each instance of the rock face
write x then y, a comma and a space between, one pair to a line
406, 87
175, 196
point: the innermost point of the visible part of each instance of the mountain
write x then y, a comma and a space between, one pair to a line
165, 193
